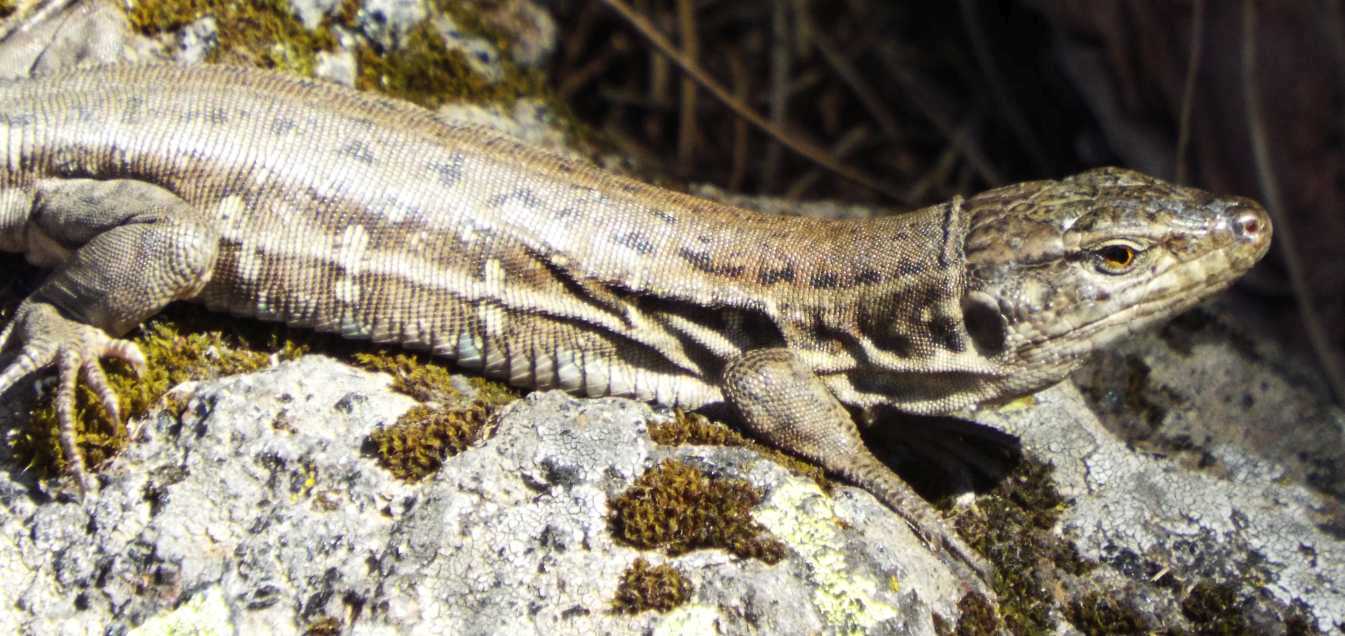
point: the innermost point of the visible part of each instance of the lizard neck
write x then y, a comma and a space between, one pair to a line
877, 313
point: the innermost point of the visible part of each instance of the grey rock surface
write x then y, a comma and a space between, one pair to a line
257, 510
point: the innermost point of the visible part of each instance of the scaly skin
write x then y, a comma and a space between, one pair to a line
297, 201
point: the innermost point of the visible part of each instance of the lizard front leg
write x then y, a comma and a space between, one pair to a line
783, 402
122, 249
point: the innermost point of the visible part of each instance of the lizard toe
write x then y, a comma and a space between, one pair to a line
75, 349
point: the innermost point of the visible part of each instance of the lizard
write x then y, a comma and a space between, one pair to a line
289, 199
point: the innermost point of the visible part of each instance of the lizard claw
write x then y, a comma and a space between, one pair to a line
49, 339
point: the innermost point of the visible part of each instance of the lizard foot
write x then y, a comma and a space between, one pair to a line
49, 339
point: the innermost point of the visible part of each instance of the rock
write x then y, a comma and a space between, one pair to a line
258, 507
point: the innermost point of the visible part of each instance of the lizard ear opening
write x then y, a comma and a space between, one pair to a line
985, 324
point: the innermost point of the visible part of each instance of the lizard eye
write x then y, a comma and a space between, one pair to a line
1116, 258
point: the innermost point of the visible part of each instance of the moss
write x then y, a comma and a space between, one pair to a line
1214, 608
412, 374
213, 348
1012, 529
420, 68
429, 380
1102, 613
650, 587
256, 33
323, 626
694, 429
423, 70
491, 392
976, 616
676, 508
417, 445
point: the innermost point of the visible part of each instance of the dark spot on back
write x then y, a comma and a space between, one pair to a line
526, 196
825, 280
769, 276
19, 120
703, 262
910, 267
449, 173
629, 187
638, 241
282, 125
666, 217
945, 333
868, 277
217, 116
357, 150
134, 113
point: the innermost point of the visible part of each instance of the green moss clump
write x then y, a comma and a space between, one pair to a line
694, 429
676, 508
412, 374
1012, 529
417, 445
429, 380
490, 392
256, 33
424, 71
650, 587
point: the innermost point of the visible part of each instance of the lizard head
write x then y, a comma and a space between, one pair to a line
1057, 269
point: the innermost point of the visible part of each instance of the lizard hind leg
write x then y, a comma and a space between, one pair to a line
121, 249
784, 403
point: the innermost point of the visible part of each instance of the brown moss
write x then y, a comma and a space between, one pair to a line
1214, 608
650, 587
417, 445
1100, 613
676, 508
976, 616
323, 626
1013, 530
694, 429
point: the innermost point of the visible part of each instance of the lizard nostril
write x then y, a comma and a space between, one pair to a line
1250, 225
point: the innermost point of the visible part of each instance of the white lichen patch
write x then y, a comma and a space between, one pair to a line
689, 620
799, 514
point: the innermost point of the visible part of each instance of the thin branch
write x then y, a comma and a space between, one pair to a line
855, 80
923, 98
1270, 189
686, 125
1189, 89
1008, 107
792, 141
781, 63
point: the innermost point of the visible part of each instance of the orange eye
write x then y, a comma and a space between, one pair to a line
1115, 259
